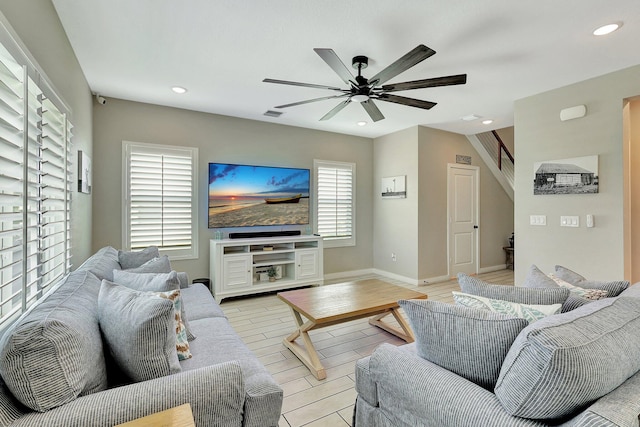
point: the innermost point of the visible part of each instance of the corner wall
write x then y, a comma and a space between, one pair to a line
596, 252
222, 139
415, 228
36, 23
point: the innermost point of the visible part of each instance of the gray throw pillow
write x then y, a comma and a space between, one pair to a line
130, 259
613, 288
537, 279
153, 282
102, 263
467, 341
561, 364
139, 330
155, 265
53, 353
519, 294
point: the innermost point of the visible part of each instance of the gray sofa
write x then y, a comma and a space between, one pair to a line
579, 368
56, 371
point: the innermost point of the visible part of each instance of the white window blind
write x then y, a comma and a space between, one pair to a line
335, 202
161, 202
35, 188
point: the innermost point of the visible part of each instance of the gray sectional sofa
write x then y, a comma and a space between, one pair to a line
577, 368
56, 369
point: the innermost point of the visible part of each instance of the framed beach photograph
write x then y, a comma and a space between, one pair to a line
84, 173
394, 187
578, 175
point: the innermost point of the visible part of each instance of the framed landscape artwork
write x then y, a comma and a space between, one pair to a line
394, 187
578, 175
84, 173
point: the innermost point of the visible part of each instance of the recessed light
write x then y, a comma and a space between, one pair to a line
179, 89
487, 122
607, 29
361, 123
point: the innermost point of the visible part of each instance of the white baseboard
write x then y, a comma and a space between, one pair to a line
492, 268
347, 274
396, 276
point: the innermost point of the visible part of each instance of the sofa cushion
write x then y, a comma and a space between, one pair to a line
102, 263
200, 302
146, 348
614, 288
133, 259
522, 295
467, 341
154, 282
529, 312
53, 353
562, 363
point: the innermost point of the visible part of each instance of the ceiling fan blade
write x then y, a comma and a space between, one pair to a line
415, 56
336, 109
330, 57
458, 79
372, 110
309, 101
411, 102
286, 82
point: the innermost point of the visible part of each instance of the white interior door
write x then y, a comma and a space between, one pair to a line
463, 195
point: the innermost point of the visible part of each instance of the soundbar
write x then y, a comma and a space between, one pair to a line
258, 234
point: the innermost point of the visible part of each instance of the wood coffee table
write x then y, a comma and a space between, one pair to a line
331, 304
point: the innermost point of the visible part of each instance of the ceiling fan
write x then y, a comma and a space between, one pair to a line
366, 91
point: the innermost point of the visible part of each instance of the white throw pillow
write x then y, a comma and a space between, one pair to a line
590, 294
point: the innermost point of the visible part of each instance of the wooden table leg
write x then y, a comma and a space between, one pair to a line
406, 333
307, 354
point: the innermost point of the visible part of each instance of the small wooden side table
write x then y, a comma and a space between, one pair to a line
508, 250
180, 416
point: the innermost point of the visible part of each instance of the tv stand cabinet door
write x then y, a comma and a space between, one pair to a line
307, 264
236, 272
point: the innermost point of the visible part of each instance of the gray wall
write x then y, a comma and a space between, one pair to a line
415, 228
37, 25
221, 139
540, 135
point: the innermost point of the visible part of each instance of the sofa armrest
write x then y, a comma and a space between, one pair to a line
411, 388
365, 386
216, 394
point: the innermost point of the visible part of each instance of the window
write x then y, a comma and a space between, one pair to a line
335, 202
35, 184
161, 206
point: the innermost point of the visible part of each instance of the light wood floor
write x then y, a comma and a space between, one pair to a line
263, 321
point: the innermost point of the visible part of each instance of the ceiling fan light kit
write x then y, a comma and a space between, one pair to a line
366, 91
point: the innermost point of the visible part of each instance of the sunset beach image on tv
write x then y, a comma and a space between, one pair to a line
249, 196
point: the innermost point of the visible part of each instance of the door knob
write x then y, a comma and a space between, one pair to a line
475, 226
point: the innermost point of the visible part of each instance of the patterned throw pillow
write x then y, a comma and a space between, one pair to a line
529, 312
182, 344
614, 288
590, 294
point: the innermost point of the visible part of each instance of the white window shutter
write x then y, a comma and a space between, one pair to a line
335, 202
161, 208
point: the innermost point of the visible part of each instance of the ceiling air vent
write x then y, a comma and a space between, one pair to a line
272, 113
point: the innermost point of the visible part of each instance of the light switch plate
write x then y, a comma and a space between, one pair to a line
537, 219
569, 221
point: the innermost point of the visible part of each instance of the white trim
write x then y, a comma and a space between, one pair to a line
348, 274
432, 280
492, 268
476, 169
491, 164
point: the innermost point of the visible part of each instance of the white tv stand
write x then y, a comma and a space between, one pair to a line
235, 264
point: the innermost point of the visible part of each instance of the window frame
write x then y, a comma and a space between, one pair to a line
192, 152
336, 241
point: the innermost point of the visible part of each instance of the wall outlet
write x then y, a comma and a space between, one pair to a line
393, 257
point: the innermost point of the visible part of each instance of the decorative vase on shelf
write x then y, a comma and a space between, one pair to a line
511, 240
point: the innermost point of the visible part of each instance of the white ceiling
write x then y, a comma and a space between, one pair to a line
221, 50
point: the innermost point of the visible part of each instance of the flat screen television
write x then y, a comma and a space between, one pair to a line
251, 196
